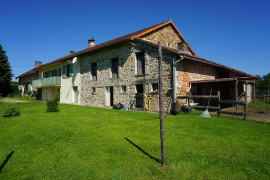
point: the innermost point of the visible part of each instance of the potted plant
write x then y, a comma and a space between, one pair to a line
177, 107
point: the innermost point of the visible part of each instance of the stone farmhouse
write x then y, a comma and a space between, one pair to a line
126, 68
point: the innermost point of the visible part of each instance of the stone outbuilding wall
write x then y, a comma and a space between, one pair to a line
190, 70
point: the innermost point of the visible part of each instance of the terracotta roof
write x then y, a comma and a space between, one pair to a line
30, 72
196, 58
136, 36
130, 36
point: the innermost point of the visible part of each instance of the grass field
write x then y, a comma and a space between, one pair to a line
260, 104
81, 142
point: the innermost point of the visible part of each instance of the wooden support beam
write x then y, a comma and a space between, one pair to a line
246, 105
206, 107
254, 93
161, 117
198, 97
218, 103
236, 94
233, 113
231, 102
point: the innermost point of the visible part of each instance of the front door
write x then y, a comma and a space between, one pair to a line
139, 96
39, 94
109, 96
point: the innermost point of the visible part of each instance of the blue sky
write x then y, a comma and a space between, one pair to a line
234, 33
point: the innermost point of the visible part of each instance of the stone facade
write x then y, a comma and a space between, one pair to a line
128, 77
166, 35
190, 70
25, 84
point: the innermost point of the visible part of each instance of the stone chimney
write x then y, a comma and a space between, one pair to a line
91, 42
37, 64
71, 52
182, 47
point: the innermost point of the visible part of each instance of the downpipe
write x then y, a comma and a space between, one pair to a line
174, 72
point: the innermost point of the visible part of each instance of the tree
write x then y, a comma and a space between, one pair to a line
5, 73
263, 82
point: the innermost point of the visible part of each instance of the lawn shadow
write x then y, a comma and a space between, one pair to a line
6, 160
143, 151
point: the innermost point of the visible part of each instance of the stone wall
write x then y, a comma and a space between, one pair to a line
128, 77
188, 70
167, 35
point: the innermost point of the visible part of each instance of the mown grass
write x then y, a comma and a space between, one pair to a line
81, 142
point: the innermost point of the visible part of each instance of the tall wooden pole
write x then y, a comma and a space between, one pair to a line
162, 135
236, 93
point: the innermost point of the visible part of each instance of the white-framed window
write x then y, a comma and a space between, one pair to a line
124, 89
154, 87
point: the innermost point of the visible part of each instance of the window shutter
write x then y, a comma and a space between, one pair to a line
63, 71
71, 69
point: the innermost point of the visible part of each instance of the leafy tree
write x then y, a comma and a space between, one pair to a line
263, 82
5, 73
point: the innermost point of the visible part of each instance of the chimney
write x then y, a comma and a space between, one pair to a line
182, 47
91, 42
71, 52
37, 64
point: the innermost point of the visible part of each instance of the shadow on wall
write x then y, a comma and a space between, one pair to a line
6, 160
144, 152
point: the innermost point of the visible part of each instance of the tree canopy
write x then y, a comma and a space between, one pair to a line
263, 82
5, 73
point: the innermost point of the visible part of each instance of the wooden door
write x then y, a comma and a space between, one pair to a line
139, 96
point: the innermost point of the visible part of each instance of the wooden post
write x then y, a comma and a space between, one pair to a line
218, 103
162, 135
246, 105
254, 94
236, 94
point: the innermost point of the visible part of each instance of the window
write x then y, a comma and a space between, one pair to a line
115, 68
94, 71
155, 87
93, 90
54, 72
124, 89
67, 70
47, 74
59, 72
140, 63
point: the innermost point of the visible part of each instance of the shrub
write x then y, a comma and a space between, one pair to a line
52, 105
11, 112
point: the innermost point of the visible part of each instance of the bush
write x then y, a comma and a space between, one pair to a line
11, 112
52, 105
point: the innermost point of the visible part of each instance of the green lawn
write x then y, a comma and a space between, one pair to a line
82, 142
260, 104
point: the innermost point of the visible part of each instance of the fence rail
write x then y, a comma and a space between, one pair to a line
219, 102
